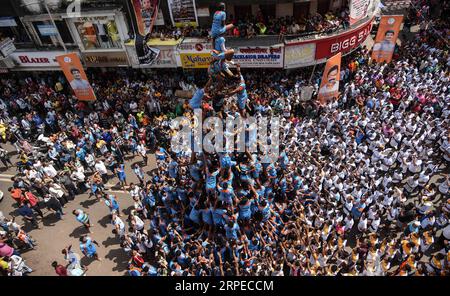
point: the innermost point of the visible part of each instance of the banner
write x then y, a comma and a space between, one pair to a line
327, 47
144, 18
329, 87
260, 57
195, 45
166, 58
296, 56
358, 10
386, 38
183, 12
74, 72
195, 60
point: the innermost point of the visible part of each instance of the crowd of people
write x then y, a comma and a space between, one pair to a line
254, 25
360, 186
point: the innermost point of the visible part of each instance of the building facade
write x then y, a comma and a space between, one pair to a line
34, 32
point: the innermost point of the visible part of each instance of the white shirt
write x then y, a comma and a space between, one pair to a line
101, 168
50, 171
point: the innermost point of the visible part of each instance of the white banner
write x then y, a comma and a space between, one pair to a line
195, 45
260, 56
301, 55
166, 59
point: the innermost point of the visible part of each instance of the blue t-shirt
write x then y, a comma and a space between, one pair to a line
88, 247
196, 100
232, 232
219, 44
242, 94
217, 27
211, 180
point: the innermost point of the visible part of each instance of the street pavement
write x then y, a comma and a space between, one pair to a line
55, 234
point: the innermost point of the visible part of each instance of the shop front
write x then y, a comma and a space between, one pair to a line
35, 60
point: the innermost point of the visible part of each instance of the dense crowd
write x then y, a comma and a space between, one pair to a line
360, 187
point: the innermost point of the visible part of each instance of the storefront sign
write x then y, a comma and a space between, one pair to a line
36, 59
106, 59
301, 55
195, 45
195, 60
260, 57
343, 43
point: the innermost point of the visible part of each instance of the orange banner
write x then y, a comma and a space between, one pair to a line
74, 72
387, 34
329, 87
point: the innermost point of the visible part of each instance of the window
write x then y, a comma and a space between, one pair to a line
46, 38
64, 31
96, 34
15, 31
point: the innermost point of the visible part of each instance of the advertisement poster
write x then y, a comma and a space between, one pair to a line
301, 55
260, 57
73, 70
387, 34
144, 18
195, 60
329, 87
183, 12
359, 9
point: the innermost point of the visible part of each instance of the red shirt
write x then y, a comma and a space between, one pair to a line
61, 270
31, 198
16, 194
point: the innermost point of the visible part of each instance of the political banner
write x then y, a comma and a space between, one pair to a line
144, 18
73, 70
358, 10
260, 56
301, 55
183, 12
386, 38
329, 87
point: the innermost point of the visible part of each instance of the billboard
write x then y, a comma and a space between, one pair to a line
329, 86
387, 34
183, 12
73, 70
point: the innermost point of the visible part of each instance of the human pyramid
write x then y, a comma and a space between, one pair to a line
221, 80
